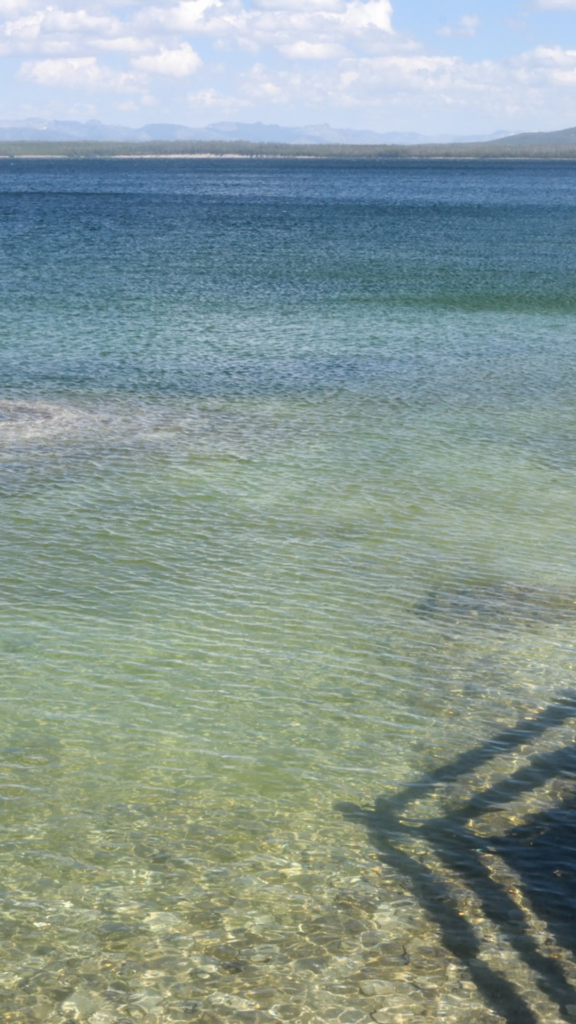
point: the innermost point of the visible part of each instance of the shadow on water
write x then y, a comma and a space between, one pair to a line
542, 852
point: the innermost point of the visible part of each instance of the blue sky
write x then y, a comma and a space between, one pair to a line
409, 65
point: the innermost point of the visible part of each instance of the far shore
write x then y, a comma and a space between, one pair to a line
239, 150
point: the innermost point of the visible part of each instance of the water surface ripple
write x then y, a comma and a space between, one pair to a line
287, 455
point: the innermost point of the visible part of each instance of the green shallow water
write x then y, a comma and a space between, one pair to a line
287, 477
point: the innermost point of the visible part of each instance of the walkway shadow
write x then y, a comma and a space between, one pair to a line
542, 852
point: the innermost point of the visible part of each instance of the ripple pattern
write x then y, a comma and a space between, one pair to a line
287, 552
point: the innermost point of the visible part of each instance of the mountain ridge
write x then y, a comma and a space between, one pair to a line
39, 129
564, 137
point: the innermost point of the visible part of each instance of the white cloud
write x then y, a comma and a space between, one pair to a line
76, 73
124, 44
288, 23
187, 16
558, 5
308, 6
56, 21
467, 25
54, 30
177, 63
373, 14
312, 51
550, 66
528, 84
312, 55
9, 8
210, 99
299, 30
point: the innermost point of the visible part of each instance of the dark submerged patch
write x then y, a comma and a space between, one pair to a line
498, 605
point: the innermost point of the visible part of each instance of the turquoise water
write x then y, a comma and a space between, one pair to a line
288, 522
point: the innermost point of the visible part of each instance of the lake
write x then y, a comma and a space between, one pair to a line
288, 483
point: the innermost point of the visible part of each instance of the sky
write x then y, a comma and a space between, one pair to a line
429, 66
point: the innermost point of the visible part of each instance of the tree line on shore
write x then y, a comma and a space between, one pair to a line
442, 151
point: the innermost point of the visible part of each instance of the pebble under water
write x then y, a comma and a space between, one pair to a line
287, 558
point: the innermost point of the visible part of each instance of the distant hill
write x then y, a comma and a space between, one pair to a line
36, 130
566, 137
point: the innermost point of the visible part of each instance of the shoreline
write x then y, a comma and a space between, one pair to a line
241, 150
384, 159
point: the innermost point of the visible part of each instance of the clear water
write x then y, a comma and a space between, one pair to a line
288, 457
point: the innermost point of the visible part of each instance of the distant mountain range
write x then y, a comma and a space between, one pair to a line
36, 129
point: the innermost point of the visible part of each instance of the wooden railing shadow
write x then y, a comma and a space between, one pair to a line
542, 852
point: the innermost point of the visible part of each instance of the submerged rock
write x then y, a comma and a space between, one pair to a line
499, 605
